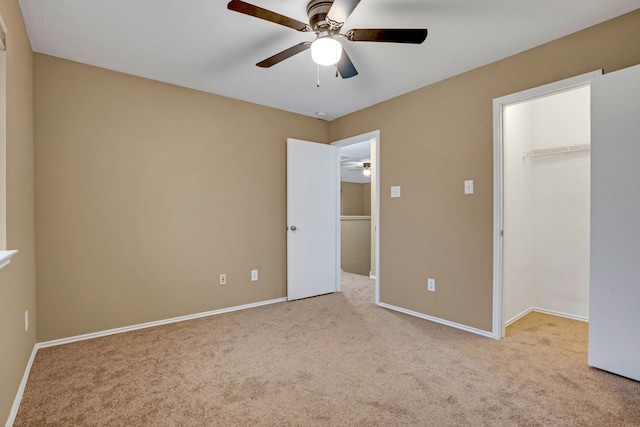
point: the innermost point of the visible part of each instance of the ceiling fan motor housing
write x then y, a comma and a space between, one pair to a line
317, 10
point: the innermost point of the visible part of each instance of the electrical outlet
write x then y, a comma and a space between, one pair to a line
26, 320
254, 275
431, 285
223, 279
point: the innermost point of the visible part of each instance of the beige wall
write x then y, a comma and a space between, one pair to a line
356, 198
366, 199
17, 280
432, 140
355, 245
355, 255
351, 198
146, 192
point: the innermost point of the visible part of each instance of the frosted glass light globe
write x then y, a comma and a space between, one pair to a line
326, 51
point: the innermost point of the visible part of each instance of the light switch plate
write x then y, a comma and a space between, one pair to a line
395, 191
468, 187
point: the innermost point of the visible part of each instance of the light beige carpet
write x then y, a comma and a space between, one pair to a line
333, 360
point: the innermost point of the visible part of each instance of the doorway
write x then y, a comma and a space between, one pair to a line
355, 209
360, 206
541, 202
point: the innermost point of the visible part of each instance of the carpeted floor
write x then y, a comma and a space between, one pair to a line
333, 360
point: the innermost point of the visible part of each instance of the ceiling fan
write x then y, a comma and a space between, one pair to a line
326, 19
347, 163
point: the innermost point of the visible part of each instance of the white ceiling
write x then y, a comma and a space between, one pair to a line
200, 44
352, 158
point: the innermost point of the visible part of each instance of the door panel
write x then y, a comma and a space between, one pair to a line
614, 316
312, 219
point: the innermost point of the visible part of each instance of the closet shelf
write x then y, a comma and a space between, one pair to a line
556, 150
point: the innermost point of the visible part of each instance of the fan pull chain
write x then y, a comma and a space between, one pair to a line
318, 74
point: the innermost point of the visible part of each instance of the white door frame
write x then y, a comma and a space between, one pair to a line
374, 138
499, 104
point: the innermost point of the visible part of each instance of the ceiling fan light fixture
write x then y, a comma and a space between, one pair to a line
366, 169
326, 51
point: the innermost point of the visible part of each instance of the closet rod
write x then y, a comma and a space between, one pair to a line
556, 150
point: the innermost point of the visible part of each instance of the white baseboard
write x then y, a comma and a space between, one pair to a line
518, 316
23, 385
156, 323
545, 311
560, 314
37, 346
437, 320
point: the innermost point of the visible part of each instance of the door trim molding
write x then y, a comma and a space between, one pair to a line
499, 104
374, 137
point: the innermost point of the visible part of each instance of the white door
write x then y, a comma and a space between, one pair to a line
614, 312
312, 219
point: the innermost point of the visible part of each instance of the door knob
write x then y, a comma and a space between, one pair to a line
293, 228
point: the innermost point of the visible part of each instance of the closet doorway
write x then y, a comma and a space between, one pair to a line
542, 221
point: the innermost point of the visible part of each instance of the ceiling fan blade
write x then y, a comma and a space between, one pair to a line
401, 35
287, 53
267, 15
346, 67
341, 9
